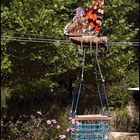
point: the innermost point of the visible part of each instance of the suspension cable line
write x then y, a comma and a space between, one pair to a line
56, 41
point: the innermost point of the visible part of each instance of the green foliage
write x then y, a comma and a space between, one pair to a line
119, 96
28, 68
35, 127
5, 95
43, 19
124, 122
120, 57
48, 19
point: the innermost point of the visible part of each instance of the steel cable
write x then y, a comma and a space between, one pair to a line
56, 41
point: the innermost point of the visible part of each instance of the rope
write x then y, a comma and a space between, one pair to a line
83, 66
98, 82
100, 97
77, 95
73, 103
80, 55
100, 88
79, 92
106, 99
96, 58
102, 80
91, 49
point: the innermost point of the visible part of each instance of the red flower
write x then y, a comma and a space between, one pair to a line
92, 24
97, 28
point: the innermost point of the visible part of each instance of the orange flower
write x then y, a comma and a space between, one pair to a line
91, 15
92, 24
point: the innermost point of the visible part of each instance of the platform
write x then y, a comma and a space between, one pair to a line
89, 39
97, 117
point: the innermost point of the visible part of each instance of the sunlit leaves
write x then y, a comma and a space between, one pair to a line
48, 18
6, 64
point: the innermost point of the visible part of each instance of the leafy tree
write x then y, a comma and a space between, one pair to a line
31, 63
32, 18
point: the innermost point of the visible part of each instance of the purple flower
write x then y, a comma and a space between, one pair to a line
68, 130
72, 129
53, 121
74, 122
62, 137
78, 123
49, 122
39, 113
80, 11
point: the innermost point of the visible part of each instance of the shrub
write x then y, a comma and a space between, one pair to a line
36, 127
124, 122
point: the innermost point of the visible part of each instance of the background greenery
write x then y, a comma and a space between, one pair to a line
39, 76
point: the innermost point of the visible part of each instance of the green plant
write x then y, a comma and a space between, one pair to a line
36, 127
119, 96
5, 95
124, 122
